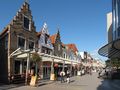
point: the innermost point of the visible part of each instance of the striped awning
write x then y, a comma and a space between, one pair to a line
111, 50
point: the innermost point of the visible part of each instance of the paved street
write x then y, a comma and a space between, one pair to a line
87, 82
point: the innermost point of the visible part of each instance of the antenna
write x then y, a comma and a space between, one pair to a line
58, 28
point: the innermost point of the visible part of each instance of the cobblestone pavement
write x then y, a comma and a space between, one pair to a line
86, 82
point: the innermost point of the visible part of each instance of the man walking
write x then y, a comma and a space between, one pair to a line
62, 74
68, 76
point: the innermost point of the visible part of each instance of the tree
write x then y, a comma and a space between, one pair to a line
115, 62
36, 58
107, 63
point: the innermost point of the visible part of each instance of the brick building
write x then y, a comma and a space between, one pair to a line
20, 33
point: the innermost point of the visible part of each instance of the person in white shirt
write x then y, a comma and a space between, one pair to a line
62, 74
68, 76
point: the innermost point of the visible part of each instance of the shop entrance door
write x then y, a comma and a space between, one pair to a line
46, 72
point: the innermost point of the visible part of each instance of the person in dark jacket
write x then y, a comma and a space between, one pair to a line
68, 76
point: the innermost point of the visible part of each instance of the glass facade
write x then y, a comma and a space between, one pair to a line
116, 18
118, 29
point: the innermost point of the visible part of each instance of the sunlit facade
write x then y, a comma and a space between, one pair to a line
116, 19
112, 49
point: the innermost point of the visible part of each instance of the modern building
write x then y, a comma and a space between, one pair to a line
112, 49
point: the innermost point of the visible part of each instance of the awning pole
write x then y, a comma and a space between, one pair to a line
52, 66
63, 69
71, 68
28, 58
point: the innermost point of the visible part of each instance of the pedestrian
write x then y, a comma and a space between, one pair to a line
62, 74
99, 73
83, 72
68, 76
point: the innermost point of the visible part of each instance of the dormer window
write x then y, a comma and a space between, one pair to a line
26, 23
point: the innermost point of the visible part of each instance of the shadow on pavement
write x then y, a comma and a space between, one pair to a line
107, 84
45, 83
11, 86
72, 81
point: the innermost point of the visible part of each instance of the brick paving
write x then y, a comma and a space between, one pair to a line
86, 82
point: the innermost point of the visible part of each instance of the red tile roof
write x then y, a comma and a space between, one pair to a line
73, 47
63, 44
53, 38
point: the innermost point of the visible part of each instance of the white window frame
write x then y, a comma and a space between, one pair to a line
23, 38
29, 29
31, 41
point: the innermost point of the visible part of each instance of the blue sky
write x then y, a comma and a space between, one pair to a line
82, 22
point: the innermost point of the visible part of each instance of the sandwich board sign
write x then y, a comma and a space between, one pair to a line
33, 80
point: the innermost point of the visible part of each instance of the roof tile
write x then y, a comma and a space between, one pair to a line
53, 38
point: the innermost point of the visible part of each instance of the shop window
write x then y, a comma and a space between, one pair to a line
17, 67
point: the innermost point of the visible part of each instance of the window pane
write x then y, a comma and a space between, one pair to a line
6, 42
31, 45
46, 38
118, 13
26, 23
21, 42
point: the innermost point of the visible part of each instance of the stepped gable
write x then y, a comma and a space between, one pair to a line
44, 30
18, 19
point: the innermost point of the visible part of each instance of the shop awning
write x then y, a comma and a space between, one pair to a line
21, 54
111, 50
